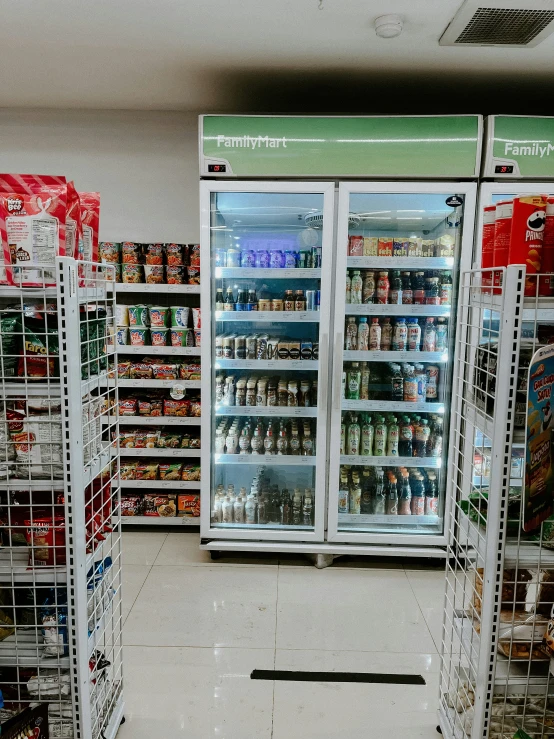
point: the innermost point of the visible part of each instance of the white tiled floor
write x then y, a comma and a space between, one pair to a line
195, 630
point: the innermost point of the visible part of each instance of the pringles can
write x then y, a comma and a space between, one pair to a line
527, 236
487, 247
546, 283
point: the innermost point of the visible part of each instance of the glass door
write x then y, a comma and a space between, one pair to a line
398, 259
266, 310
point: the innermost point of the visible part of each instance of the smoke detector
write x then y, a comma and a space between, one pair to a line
512, 23
388, 26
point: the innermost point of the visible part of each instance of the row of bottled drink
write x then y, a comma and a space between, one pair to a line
269, 258
393, 287
379, 435
247, 299
398, 491
265, 436
264, 504
264, 391
403, 334
408, 383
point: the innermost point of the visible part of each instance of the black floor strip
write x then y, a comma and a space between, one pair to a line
338, 677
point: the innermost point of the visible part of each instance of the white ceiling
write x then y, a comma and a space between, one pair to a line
210, 55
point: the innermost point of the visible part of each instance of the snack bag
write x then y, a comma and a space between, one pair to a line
33, 215
90, 217
73, 225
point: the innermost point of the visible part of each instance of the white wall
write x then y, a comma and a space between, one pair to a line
144, 164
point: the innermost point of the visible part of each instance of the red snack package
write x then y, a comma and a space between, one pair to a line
73, 225
546, 284
527, 236
32, 214
487, 249
46, 539
90, 217
502, 229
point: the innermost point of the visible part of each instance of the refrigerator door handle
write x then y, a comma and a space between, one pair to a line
337, 380
324, 361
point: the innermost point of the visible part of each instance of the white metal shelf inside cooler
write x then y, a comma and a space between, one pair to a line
160, 521
169, 485
160, 384
379, 356
149, 452
400, 262
154, 420
254, 316
391, 406
158, 289
249, 273
368, 519
380, 309
170, 351
266, 410
431, 462
264, 364
270, 460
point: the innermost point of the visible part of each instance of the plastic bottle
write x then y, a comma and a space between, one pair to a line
418, 286
404, 503
414, 335
380, 439
405, 440
368, 435
229, 300
351, 338
410, 384
383, 288
421, 378
395, 293
442, 335
355, 494
400, 336
348, 287
386, 335
417, 506
344, 493
238, 508
437, 439
446, 288
393, 437
364, 387
356, 287
353, 436
397, 383
342, 437
431, 496
227, 510
391, 502
363, 335
366, 505
217, 511
407, 292
430, 336
421, 438
308, 507
368, 289
219, 299
375, 335
251, 510
379, 502
354, 382
262, 509
432, 293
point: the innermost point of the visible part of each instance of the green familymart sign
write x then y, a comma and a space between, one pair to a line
519, 146
329, 146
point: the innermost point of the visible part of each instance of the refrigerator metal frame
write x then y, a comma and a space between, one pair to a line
446, 187
207, 532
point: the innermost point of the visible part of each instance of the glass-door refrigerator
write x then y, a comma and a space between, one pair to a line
400, 248
265, 338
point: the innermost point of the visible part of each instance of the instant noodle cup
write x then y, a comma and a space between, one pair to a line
132, 273
179, 316
159, 315
138, 315
154, 274
139, 335
131, 253
175, 275
109, 252
194, 255
527, 236
121, 314
116, 273
197, 336
181, 337
174, 255
153, 253
158, 336
196, 322
122, 336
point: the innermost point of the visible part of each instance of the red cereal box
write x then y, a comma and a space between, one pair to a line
355, 246
527, 235
32, 216
546, 283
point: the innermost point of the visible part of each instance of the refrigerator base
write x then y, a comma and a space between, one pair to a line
324, 550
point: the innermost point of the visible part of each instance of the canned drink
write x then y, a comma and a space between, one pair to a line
248, 258
294, 349
262, 258
276, 259
220, 258
290, 260
261, 347
283, 350
240, 347
316, 257
315, 350
219, 347
277, 304
310, 299
317, 299
302, 259
264, 305
251, 344
272, 345
233, 258
305, 349
229, 346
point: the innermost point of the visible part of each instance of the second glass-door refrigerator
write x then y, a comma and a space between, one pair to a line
329, 326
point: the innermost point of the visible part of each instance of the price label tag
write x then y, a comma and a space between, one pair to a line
247, 364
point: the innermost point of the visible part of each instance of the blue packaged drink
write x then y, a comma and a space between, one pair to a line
262, 259
248, 258
317, 299
276, 259
220, 258
290, 260
310, 299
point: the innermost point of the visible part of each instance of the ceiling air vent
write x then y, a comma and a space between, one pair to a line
500, 23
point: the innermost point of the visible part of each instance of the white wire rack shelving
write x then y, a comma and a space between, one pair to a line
498, 596
60, 561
